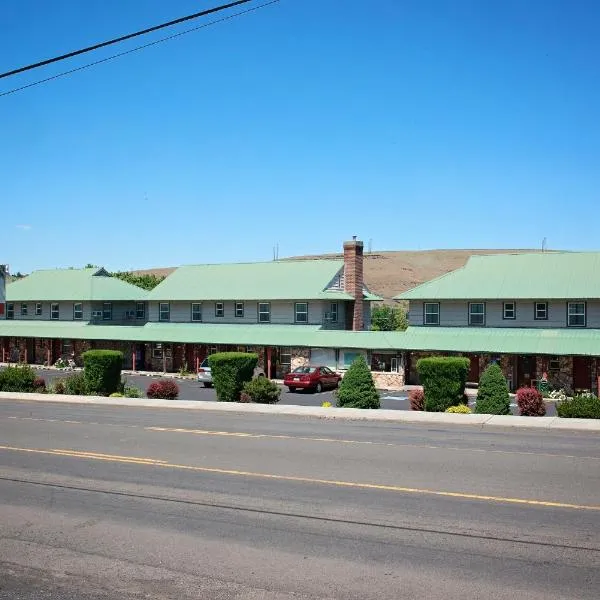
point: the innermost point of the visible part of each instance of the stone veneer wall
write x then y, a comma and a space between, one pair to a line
300, 357
388, 381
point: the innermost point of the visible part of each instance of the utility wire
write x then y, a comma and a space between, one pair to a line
137, 48
123, 38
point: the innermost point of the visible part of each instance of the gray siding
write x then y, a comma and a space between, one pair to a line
454, 313
66, 311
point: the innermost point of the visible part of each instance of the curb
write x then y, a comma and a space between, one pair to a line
348, 414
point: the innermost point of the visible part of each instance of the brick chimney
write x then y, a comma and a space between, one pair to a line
353, 281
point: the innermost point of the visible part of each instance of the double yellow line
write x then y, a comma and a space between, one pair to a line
115, 458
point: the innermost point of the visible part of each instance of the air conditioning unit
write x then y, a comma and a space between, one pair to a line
96, 314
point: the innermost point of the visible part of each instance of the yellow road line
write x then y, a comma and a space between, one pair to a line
309, 480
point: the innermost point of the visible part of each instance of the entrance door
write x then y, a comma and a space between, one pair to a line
526, 367
140, 357
474, 368
31, 351
56, 350
582, 373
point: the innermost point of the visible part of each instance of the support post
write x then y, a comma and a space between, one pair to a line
197, 364
133, 360
268, 373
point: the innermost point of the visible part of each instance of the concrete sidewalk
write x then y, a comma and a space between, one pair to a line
350, 414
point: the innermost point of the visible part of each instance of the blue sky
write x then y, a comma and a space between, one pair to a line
414, 124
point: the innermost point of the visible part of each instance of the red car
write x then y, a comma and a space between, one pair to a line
311, 378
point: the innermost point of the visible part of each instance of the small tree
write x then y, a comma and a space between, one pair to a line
492, 394
388, 318
102, 371
357, 388
443, 379
230, 370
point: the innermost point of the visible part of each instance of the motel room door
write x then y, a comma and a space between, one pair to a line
526, 367
582, 373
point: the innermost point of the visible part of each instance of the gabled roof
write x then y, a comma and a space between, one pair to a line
277, 280
542, 275
57, 285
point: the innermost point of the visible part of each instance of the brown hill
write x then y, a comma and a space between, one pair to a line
393, 272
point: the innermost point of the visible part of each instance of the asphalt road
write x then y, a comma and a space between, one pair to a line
192, 390
102, 503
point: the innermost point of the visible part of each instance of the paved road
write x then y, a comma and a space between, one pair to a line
192, 390
102, 503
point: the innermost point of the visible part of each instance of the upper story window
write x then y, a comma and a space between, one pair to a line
24, 309
509, 310
576, 314
10, 310
54, 311
77, 311
431, 313
540, 311
140, 310
38, 309
333, 312
301, 312
264, 312
476, 313
239, 310
107, 311
196, 311
164, 311
219, 309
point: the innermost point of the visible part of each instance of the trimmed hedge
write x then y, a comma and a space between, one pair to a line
102, 371
261, 390
492, 395
230, 370
586, 406
443, 379
530, 402
357, 388
20, 378
164, 389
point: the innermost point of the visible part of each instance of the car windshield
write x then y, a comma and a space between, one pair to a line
304, 370
204, 363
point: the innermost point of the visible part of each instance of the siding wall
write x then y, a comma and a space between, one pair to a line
454, 313
66, 311
282, 313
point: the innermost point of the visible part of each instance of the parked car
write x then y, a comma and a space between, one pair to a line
205, 376
311, 378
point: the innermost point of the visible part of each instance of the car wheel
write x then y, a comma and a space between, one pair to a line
207, 385
291, 390
318, 388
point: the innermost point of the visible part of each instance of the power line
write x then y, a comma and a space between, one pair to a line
122, 38
137, 48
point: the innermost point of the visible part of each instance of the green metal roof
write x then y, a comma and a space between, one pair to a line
547, 275
72, 284
276, 280
200, 333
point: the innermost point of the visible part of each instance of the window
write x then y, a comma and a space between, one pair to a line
107, 311
78, 311
540, 312
157, 351
38, 309
264, 312
384, 362
576, 314
509, 310
10, 310
164, 311
476, 313
54, 311
333, 312
239, 310
196, 311
219, 309
554, 364
140, 310
24, 309
431, 313
301, 312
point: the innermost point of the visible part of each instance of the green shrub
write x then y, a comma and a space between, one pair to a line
357, 388
20, 378
461, 409
230, 370
102, 371
586, 406
130, 391
443, 379
492, 395
75, 384
57, 387
262, 391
